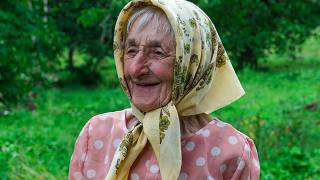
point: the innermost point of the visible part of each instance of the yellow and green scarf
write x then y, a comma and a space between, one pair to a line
204, 81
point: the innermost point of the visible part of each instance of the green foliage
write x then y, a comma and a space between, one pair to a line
280, 112
26, 45
73, 43
33, 42
37, 145
251, 30
91, 16
40, 43
88, 29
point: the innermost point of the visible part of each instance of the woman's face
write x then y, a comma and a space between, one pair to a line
148, 66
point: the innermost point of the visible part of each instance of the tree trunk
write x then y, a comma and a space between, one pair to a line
30, 5
70, 59
45, 11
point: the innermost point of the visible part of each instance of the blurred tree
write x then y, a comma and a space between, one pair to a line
34, 33
87, 28
251, 29
27, 49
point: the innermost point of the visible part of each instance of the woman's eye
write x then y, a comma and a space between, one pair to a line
157, 53
131, 52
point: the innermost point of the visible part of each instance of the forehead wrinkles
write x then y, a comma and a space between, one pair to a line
149, 41
151, 37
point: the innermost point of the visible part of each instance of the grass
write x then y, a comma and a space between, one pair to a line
280, 112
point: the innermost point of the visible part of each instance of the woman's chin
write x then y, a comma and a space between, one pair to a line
150, 101
144, 106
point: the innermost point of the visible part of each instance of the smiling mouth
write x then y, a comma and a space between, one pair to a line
145, 86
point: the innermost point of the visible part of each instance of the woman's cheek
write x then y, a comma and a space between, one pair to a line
126, 68
162, 70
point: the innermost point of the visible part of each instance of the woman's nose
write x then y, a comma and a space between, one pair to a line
140, 65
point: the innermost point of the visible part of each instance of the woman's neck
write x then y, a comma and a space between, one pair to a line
192, 124
188, 124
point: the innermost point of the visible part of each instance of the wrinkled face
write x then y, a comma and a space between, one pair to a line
148, 66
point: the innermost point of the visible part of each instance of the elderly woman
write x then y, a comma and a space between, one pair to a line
174, 69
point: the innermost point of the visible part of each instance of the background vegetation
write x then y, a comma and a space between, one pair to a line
57, 70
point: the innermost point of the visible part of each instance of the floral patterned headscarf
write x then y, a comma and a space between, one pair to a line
204, 81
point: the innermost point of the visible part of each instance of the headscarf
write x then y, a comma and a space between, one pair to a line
204, 81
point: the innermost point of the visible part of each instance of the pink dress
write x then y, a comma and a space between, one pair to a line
217, 151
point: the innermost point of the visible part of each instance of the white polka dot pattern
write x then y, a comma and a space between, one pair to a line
221, 124
77, 175
232, 140
215, 151
91, 174
205, 133
98, 144
200, 161
134, 176
200, 152
154, 168
190, 146
183, 176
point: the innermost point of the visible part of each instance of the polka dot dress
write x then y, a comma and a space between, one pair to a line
217, 151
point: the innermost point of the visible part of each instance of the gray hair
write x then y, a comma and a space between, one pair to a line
145, 15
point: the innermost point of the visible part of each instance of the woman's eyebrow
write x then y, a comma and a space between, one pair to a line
131, 42
149, 43
159, 44
153, 43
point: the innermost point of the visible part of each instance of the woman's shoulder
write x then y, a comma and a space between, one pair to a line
108, 116
226, 148
223, 130
237, 150
222, 138
109, 122
231, 135
218, 129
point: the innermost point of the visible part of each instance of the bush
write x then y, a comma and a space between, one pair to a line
251, 30
27, 51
